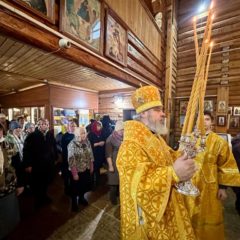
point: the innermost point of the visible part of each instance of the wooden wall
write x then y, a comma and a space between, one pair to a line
51, 96
71, 98
141, 61
225, 57
108, 106
171, 67
134, 14
144, 47
30, 98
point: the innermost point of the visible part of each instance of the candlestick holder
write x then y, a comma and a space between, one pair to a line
188, 144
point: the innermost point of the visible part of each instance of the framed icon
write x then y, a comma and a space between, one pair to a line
42, 8
236, 111
83, 21
222, 106
221, 121
115, 40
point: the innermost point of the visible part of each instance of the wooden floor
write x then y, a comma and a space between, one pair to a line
98, 221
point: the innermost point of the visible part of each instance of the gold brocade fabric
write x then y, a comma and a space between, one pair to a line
217, 166
146, 181
145, 98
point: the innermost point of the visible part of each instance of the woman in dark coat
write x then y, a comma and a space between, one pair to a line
97, 141
112, 146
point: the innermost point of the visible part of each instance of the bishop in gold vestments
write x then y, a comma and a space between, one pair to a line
150, 206
217, 168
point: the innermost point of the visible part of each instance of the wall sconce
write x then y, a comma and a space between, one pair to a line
118, 100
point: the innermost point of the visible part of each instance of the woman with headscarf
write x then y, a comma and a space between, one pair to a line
112, 146
97, 141
9, 209
106, 126
15, 138
80, 160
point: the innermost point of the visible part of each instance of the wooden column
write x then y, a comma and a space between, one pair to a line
169, 67
222, 107
223, 92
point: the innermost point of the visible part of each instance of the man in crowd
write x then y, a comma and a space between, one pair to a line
236, 153
39, 156
148, 169
4, 122
66, 139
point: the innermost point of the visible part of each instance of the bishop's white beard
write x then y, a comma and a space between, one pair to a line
158, 127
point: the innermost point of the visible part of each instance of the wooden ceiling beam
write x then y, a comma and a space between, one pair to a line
16, 27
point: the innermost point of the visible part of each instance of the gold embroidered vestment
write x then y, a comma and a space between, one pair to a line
146, 182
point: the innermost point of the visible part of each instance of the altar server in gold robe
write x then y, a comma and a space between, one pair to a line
217, 169
148, 169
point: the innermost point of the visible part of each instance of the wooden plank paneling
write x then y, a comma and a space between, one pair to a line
133, 13
34, 97
71, 98
107, 104
225, 59
136, 55
47, 41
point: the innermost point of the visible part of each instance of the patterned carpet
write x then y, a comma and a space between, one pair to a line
98, 221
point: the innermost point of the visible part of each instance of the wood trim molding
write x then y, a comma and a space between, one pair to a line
15, 26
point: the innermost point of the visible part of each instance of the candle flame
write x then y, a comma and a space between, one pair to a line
211, 6
194, 18
211, 44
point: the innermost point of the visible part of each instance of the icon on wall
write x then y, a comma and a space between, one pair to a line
183, 107
221, 121
43, 8
82, 20
208, 105
116, 40
236, 111
222, 106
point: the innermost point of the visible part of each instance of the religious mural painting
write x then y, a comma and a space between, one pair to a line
43, 8
82, 21
116, 40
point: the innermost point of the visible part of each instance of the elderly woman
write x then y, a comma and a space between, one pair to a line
112, 146
15, 138
29, 128
80, 160
9, 210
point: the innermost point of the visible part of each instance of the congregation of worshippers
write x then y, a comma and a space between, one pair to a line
80, 155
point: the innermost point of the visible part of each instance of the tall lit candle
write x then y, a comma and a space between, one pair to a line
195, 36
